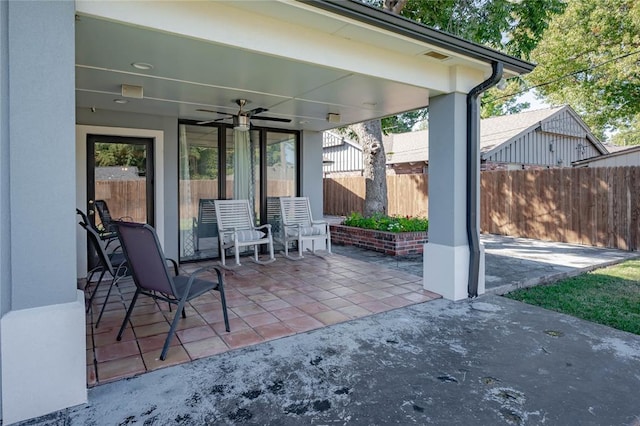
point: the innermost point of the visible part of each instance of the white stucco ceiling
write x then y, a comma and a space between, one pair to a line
203, 59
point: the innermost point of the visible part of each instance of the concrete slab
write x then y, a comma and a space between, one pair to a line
489, 361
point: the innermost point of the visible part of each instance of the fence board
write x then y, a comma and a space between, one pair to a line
591, 206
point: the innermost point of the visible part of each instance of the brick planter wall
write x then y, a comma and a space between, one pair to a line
391, 243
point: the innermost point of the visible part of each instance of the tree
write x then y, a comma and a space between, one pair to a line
514, 27
590, 58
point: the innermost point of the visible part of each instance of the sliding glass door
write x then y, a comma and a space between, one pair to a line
219, 162
199, 181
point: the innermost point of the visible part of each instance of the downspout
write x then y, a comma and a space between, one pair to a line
473, 142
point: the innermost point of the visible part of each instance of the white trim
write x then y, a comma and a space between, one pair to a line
81, 178
446, 270
43, 360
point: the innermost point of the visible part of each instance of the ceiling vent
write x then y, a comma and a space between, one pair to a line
436, 55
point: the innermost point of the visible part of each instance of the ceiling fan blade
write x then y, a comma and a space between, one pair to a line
281, 120
257, 111
214, 112
210, 121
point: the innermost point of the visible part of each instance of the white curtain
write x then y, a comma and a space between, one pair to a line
186, 241
242, 176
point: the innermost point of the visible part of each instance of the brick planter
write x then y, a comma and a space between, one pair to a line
391, 243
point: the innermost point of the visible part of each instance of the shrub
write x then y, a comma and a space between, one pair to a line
381, 222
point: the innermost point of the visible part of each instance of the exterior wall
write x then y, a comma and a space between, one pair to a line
166, 183
345, 157
615, 160
311, 167
545, 149
42, 337
406, 168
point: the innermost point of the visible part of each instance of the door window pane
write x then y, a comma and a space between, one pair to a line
199, 174
281, 173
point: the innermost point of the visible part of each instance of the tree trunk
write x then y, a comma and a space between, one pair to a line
369, 135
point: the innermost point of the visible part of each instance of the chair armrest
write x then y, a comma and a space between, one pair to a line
266, 225
174, 263
319, 222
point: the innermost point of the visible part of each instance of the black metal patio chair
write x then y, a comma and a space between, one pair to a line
99, 261
150, 272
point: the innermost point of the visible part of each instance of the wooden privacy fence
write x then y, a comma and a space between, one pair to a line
591, 206
406, 194
124, 196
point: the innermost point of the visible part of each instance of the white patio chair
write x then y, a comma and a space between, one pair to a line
298, 225
236, 229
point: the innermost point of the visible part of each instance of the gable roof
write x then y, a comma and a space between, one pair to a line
410, 147
495, 132
498, 131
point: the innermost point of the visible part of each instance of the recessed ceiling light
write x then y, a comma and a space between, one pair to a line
142, 65
120, 101
304, 121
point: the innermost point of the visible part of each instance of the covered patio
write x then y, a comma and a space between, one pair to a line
265, 302
75, 74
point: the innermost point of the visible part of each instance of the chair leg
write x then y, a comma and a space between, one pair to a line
104, 304
223, 300
172, 330
95, 290
237, 251
126, 317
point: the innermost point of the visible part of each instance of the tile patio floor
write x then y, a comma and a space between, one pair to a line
265, 302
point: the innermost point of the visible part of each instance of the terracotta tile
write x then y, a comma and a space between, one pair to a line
175, 355
378, 294
205, 347
245, 310
337, 302
314, 308
273, 305
108, 338
152, 329
376, 306
330, 317
120, 368
342, 291
242, 338
395, 290
235, 324
216, 316
287, 313
190, 321
195, 333
396, 301
319, 294
147, 318
304, 323
274, 331
298, 299
260, 319
354, 311
117, 350
359, 298
151, 343
263, 297
415, 297
91, 375
233, 302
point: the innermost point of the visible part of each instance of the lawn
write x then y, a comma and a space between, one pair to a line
609, 296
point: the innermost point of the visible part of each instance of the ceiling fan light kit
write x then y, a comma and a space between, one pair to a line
241, 122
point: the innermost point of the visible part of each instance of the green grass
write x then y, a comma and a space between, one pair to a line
609, 296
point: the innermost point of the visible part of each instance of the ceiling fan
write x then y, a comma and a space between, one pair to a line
241, 120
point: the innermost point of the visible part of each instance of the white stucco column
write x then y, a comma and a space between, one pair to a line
42, 327
446, 255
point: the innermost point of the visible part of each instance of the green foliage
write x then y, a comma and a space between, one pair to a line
119, 154
596, 43
609, 296
382, 222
